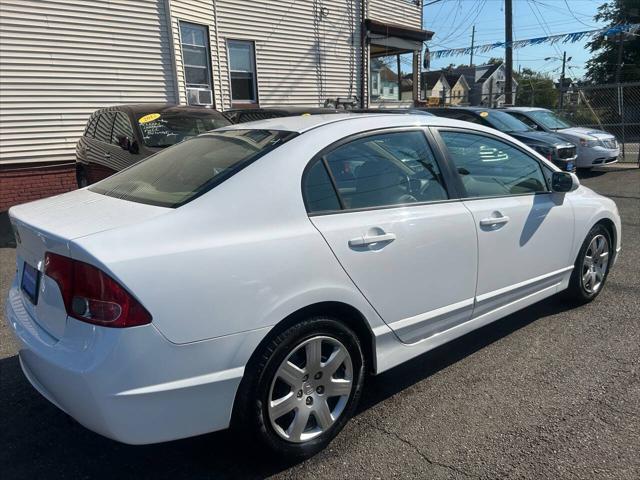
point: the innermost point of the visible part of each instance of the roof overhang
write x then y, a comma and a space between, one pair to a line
389, 38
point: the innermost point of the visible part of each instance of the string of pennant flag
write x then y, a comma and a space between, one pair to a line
551, 39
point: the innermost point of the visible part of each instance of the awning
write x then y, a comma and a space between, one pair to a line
387, 38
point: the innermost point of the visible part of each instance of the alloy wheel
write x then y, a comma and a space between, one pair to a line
594, 265
310, 389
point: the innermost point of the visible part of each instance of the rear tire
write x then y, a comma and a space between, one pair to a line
285, 399
592, 266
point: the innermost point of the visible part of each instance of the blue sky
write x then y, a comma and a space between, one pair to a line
452, 20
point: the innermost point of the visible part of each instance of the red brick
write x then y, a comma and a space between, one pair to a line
24, 183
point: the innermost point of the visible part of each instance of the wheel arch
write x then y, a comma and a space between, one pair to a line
611, 228
350, 315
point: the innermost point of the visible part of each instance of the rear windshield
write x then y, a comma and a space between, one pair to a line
160, 130
185, 171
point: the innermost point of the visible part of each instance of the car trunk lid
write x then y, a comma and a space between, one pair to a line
51, 225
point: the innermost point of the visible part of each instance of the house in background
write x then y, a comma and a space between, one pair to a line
435, 87
60, 60
383, 82
484, 84
459, 94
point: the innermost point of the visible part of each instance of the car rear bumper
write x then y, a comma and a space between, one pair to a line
132, 385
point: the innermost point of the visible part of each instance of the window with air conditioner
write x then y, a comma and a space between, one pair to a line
242, 71
196, 60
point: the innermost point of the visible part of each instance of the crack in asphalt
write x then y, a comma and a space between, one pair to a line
418, 451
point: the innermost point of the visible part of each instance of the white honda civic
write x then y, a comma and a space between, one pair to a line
254, 275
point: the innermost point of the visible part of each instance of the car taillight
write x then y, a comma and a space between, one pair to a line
92, 296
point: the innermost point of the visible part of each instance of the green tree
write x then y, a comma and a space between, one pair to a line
603, 64
535, 89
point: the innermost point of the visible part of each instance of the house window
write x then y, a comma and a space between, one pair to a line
196, 56
242, 71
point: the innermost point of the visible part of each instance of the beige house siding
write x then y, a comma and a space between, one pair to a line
62, 59
402, 12
323, 61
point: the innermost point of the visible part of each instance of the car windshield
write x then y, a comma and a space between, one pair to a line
504, 122
161, 130
179, 174
549, 119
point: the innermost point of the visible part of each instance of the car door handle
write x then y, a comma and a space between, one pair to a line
489, 222
369, 240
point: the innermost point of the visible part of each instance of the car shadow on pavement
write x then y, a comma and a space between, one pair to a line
38, 440
409, 373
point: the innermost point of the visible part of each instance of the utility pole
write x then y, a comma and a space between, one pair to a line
564, 62
620, 52
473, 38
508, 38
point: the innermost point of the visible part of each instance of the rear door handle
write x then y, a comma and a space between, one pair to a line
491, 221
369, 240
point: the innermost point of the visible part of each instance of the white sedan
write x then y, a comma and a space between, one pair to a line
253, 275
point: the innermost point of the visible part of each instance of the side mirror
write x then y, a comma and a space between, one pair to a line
133, 147
564, 182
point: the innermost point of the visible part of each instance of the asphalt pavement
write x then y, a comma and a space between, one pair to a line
547, 393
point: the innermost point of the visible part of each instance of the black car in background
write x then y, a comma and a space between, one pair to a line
554, 148
242, 115
117, 137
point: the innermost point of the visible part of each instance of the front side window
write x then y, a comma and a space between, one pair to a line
181, 173
242, 71
526, 120
195, 55
104, 127
490, 167
166, 129
379, 170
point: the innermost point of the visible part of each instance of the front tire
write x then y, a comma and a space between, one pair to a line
592, 266
303, 387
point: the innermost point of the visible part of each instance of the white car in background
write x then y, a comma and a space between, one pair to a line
252, 276
595, 147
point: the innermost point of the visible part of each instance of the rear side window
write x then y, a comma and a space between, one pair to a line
379, 170
121, 128
104, 127
318, 189
91, 126
489, 167
185, 171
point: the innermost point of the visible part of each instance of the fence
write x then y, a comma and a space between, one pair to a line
614, 108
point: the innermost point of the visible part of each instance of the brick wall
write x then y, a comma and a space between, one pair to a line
23, 183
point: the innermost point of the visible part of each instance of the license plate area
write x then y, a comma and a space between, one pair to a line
30, 282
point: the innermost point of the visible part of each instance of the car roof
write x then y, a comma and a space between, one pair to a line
525, 109
303, 123
137, 108
293, 110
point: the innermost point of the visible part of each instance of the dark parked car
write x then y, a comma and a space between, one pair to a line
117, 137
553, 147
242, 115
